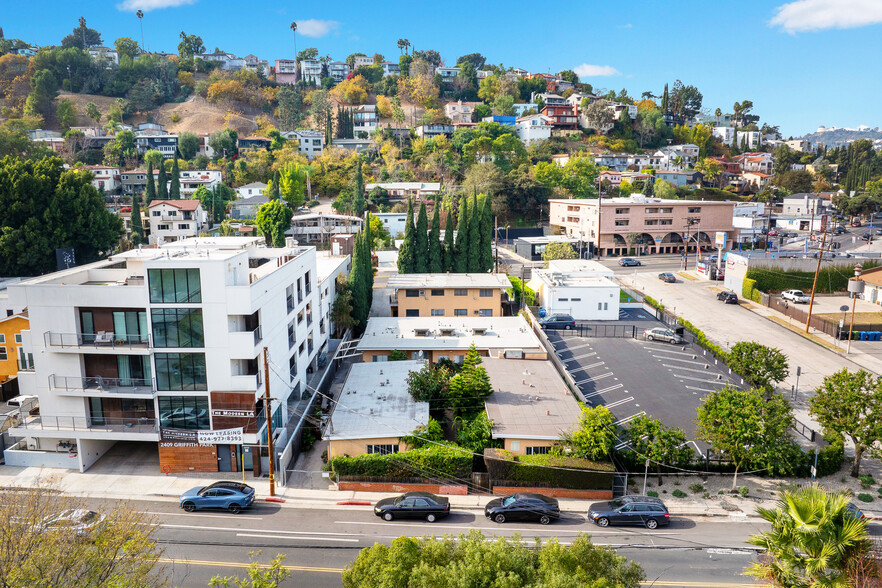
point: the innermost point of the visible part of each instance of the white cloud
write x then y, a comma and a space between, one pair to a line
815, 15
148, 5
316, 28
590, 71
624, 26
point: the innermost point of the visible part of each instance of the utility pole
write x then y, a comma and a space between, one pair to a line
808, 320
267, 407
496, 243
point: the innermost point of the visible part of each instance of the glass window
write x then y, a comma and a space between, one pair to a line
486, 292
2, 338
3, 356
18, 338
486, 312
460, 312
184, 412
460, 292
437, 291
180, 371
412, 312
437, 312
177, 327
410, 293
174, 286
537, 450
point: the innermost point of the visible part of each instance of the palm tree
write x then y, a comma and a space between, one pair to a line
140, 15
814, 540
296, 64
718, 113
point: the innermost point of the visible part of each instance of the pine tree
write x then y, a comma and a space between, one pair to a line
151, 185
461, 250
436, 258
174, 192
137, 223
486, 236
448, 251
474, 251
421, 242
162, 187
407, 252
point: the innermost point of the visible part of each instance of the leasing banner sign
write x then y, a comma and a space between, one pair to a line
221, 437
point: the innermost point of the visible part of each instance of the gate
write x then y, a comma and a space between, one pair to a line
602, 330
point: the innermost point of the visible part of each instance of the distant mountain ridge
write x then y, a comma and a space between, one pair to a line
838, 136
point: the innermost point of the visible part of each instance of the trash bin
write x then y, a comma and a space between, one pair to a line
877, 335
863, 335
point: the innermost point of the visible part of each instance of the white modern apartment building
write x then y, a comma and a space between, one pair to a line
315, 227
165, 346
365, 119
192, 180
173, 220
309, 143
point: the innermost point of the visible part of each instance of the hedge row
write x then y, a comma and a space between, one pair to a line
830, 279
653, 302
437, 462
750, 292
542, 470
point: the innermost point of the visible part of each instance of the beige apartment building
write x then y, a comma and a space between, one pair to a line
641, 225
448, 295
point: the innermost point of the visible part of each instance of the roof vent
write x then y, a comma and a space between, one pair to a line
479, 330
421, 332
446, 331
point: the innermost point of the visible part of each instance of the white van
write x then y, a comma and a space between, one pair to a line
22, 400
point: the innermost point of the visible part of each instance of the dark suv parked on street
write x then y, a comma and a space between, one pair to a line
631, 509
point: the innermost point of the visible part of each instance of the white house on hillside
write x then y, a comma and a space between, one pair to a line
536, 127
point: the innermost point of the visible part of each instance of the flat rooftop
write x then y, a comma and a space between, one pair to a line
375, 404
579, 265
548, 239
325, 264
574, 280
529, 400
429, 281
441, 333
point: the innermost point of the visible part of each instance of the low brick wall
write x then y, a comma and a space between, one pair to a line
556, 492
388, 487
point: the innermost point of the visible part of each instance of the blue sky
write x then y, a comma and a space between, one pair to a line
803, 63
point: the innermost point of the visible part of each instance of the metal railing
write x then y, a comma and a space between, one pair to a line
99, 385
97, 340
258, 335
109, 424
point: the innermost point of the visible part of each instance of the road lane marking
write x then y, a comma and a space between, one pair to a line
187, 514
239, 529
514, 529
236, 564
594, 378
299, 537
604, 391
619, 402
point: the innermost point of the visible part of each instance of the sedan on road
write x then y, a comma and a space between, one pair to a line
630, 510
797, 296
558, 321
413, 505
662, 334
523, 506
629, 261
77, 521
231, 496
667, 277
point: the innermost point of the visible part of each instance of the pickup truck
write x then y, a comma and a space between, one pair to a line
797, 296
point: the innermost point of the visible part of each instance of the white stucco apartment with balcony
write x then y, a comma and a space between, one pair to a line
154, 346
173, 220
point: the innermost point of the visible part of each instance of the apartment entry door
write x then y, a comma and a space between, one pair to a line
224, 458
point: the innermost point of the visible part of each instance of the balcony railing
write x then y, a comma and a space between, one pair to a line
101, 339
101, 385
258, 335
108, 424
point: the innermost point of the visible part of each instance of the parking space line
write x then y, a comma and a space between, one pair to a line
630, 418
583, 356
594, 378
619, 402
587, 367
575, 347
699, 389
604, 391
680, 360
680, 367
685, 377
660, 349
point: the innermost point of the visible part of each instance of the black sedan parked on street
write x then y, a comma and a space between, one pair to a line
413, 505
523, 506
630, 510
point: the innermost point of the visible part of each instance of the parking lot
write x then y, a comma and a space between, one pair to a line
632, 376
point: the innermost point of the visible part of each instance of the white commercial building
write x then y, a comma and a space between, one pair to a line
164, 346
584, 289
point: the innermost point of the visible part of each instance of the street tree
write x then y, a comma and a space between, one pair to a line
273, 219
747, 427
649, 439
849, 404
594, 436
762, 366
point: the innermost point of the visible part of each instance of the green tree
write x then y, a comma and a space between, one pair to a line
558, 250
174, 192
259, 576
341, 311
407, 252
81, 37
796, 181
190, 45
762, 366
448, 251
594, 437
126, 47
474, 251
649, 439
273, 219
747, 427
93, 112
665, 190
421, 241
151, 186
429, 384
814, 540
292, 184
849, 404
154, 157
223, 143
467, 389
486, 232
162, 183
379, 233
710, 168
461, 249
578, 176
66, 114
137, 221
435, 255
361, 278
188, 145
121, 151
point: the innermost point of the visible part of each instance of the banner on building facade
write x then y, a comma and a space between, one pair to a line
221, 437
185, 435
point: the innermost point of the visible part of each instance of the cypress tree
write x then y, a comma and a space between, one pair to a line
358, 284
369, 267
151, 186
162, 188
406, 253
358, 197
421, 242
274, 193
329, 130
449, 253
486, 236
436, 258
137, 226
474, 251
175, 191
461, 249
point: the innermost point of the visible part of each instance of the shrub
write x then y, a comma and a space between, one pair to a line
864, 497
678, 493
880, 491
696, 488
743, 491
706, 495
444, 463
830, 459
653, 302
552, 471
867, 481
652, 493
176, 118
747, 288
830, 279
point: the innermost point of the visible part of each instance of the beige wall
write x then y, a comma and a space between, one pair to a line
353, 447
472, 302
522, 445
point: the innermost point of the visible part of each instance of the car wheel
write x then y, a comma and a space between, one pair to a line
675, 342
544, 519
431, 517
568, 327
650, 338
234, 508
189, 506
651, 524
388, 516
603, 522
500, 518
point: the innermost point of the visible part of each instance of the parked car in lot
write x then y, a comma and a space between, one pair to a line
232, 496
667, 277
523, 506
558, 321
630, 510
729, 298
797, 296
662, 334
413, 505
629, 261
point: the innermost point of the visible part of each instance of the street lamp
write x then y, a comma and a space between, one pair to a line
855, 287
844, 309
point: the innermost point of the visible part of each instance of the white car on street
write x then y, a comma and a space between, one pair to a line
797, 296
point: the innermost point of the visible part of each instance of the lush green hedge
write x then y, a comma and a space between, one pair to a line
750, 292
532, 469
430, 462
653, 302
515, 291
830, 458
830, 279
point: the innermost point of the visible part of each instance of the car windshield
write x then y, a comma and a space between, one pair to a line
616, 503
508, 500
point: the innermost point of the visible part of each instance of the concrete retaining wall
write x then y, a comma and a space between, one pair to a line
40, 459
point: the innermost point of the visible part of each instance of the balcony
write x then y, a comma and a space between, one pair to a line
85, 424
99, 386
246, 382
242, 343
100, 341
